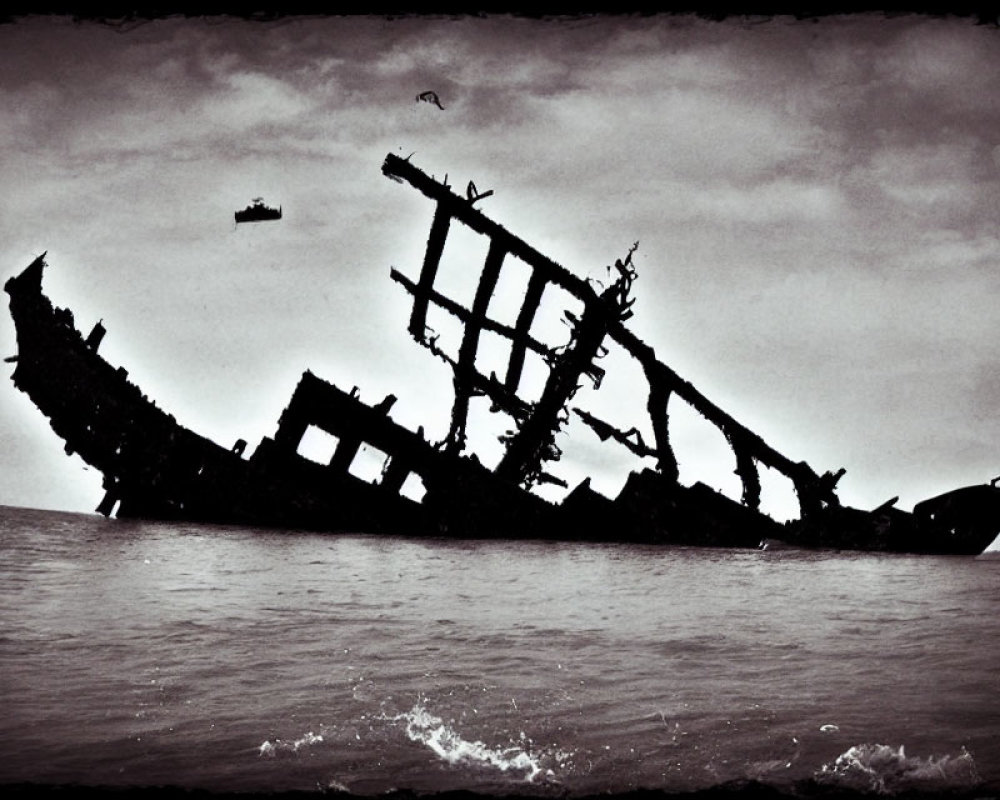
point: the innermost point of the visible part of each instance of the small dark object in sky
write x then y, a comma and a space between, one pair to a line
258, 212
430, 97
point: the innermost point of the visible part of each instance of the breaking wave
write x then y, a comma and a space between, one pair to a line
885, 770
271, 749
427, 729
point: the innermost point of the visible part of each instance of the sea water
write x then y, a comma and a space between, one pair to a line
143, 654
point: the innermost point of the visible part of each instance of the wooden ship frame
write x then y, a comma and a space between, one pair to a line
155, 468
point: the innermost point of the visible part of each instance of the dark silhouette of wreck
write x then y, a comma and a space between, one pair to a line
155, 468
257, 212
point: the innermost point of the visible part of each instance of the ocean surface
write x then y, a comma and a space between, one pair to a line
238, 660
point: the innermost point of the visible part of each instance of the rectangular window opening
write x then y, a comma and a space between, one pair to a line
369, 463
317, 445
413, 488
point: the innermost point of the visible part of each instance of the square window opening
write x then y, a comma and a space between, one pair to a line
317, 445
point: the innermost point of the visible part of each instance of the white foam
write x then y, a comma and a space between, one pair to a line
278, 746
885, 769
431, 731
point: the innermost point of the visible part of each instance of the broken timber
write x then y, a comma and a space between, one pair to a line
749, 449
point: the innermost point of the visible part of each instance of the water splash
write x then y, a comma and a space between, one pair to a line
427, 729
271, 749
885, 770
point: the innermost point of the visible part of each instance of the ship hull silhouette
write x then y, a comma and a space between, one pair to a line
155, 468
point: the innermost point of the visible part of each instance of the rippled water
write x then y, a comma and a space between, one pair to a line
231, 659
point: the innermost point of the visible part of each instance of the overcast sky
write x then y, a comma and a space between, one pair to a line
817, 206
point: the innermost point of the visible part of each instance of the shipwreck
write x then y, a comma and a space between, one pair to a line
155, 468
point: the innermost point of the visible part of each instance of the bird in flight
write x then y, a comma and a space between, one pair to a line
430, 97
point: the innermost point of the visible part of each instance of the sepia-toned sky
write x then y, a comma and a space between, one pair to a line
816, 202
